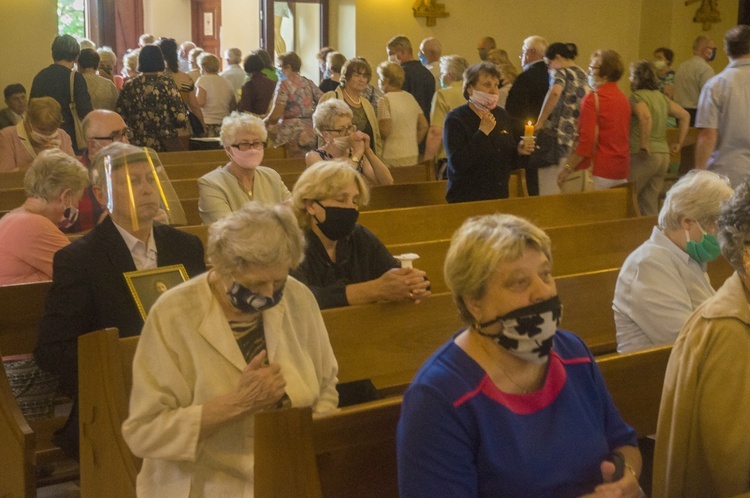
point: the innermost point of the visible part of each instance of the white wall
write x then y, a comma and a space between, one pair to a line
240, 25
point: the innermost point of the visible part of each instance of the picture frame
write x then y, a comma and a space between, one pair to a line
147, 285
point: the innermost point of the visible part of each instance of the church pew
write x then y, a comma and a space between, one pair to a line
108, 468
352, 451
198, 169
575, 248
26, 444
12, 198
416, 224
197, 156
388, 342
11, 179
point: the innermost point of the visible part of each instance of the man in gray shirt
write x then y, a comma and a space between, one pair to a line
693, 74
724, 113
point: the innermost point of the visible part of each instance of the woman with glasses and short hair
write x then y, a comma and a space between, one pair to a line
229, 187
332, 120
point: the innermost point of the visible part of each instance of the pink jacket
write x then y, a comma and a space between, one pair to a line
14, 148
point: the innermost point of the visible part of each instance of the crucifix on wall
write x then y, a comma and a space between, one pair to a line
430, 10
707, 14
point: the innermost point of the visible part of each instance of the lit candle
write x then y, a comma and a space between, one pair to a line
528, 130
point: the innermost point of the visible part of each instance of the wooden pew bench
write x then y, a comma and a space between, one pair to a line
197, 156
423, 223
11, 179
352, 451
26, 444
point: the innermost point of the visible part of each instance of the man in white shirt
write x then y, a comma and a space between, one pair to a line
183, 55
88, 290
723, 143
429, 54
234, 72
693, 74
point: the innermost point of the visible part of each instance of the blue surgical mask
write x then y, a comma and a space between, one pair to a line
422, 58
443, 84
592, 81
247, 301
704, 251
281, 76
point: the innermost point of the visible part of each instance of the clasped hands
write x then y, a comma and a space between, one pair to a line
399, 284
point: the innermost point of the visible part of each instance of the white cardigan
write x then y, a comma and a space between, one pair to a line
186, 356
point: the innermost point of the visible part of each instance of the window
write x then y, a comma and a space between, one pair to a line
71, 18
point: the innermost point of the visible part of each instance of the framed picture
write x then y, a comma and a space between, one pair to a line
147, 285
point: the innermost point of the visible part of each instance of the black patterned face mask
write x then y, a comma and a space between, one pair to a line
528, 332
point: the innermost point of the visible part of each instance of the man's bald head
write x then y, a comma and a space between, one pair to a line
185, 49
431, 48
98, 128
484, 46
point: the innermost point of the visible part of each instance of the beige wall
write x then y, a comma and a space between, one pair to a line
169, 18
22, 55
240, 25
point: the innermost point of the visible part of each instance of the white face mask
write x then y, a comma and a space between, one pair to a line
393, 58
660, 65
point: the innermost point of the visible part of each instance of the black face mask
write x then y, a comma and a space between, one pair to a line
339, 221
247, 301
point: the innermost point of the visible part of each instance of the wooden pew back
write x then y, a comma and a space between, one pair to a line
21, 310
349, 452
635, 381
11, 179
352, 451
105, 378
199, 156
417, 224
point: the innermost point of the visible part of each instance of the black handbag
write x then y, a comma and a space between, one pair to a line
546, 151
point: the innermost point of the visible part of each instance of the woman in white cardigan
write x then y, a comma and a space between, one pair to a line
242, 338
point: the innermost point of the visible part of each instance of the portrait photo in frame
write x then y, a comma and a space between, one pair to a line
147, 285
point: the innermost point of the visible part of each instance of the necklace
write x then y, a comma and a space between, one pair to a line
355, 102
505, 372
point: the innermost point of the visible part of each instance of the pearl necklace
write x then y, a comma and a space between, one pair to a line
355, 102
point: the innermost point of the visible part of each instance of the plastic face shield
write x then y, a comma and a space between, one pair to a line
136, 188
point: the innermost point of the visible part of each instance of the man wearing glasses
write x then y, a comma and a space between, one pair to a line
100, 128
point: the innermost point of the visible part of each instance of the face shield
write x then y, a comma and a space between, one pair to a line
135, 188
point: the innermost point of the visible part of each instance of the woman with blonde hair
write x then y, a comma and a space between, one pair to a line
402, 123
214, 94
30, 234
345, 264
40, 130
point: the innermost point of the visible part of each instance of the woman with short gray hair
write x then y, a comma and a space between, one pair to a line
242, 179
242, 338
31, 234
701, 439
509, 392
664, 280
332, 121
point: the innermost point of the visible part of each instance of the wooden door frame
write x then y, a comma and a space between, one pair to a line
197, 25
267, 28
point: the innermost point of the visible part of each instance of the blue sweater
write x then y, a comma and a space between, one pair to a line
459, 435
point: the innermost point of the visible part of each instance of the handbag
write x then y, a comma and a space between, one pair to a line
546, 153
78, 125
582, 180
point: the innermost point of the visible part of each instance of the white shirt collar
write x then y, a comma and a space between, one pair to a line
144, 255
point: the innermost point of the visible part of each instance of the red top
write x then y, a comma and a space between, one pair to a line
612, 157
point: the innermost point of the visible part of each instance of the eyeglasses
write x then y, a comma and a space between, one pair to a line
592, 68
347, 129
245, 146
117, 136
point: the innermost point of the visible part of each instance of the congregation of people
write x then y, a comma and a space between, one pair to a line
510, 405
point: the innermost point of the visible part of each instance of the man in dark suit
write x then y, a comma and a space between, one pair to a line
526, 98
15, 99
89, 291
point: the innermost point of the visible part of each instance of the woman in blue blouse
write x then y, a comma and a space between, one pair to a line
510, 406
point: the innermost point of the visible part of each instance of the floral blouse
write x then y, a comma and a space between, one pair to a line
152, 107
564, 116
299, 95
